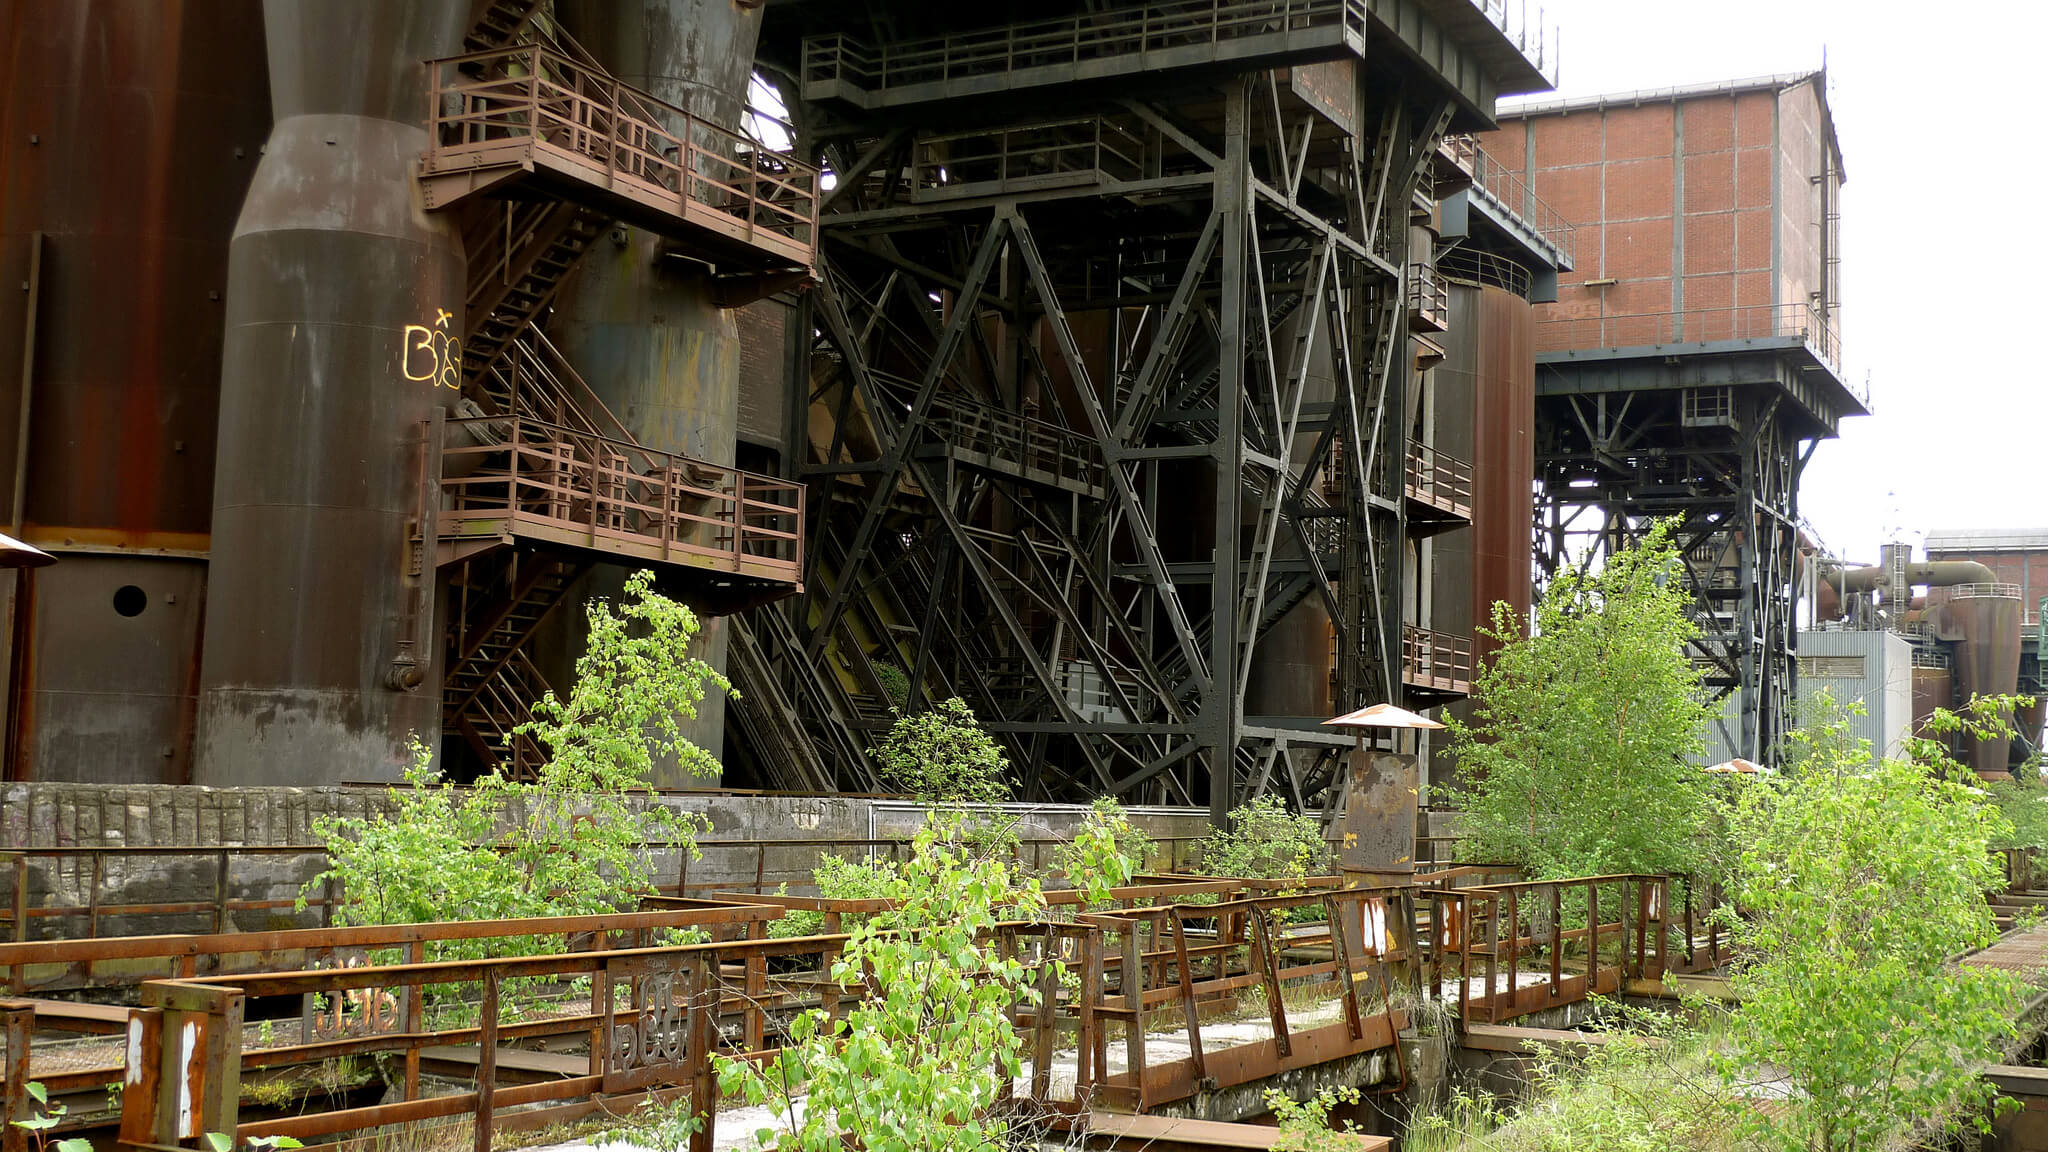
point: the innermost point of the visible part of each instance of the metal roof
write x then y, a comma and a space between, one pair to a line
1987, 540
1778, 83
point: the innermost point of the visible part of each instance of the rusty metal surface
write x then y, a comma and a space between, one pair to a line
338, 287
128, 134
115, 689
1503, 447
1987, 663
1932, 688
1380, 795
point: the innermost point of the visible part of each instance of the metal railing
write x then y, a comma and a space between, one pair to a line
1052, 152
1694, 326
1436, 660
489, 107
1440, 479
611, 493
1537, 40
1508, 191
1984, 592
839, 58
1479, 267
1429, 297
1482, 940
1021, 442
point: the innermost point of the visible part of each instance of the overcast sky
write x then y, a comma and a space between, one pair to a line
1943, 261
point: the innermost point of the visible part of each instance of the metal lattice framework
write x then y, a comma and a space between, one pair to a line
1109, 392
1722, 461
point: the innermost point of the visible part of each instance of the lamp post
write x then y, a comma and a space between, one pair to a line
1381, 793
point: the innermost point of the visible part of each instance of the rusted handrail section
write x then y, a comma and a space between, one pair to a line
1437, 660
1009, 48
1481, 937
520, 474
1440, 479
491, 108
1180, 960
127, 961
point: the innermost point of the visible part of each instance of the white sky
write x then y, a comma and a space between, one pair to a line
1942, 260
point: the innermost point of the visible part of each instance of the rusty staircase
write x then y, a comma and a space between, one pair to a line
539, 151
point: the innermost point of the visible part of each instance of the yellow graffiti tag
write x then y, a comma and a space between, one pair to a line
432, 354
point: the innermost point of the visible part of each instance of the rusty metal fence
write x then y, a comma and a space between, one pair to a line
512, 108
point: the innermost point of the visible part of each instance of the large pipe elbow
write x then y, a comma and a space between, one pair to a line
1926, 574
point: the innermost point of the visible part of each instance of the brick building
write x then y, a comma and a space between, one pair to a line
1704, 213
1692, 359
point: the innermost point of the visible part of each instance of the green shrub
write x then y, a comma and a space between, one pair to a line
1263, 840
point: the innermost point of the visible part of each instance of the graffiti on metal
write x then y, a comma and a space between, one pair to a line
433, 354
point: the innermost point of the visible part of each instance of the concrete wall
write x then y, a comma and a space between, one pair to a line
44, 815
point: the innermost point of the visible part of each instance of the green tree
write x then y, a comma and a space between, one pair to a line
573, 841
1858, 880
918, 1063
1106, 845
1580, 751
942, 756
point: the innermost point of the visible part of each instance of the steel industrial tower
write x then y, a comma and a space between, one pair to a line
1112, 372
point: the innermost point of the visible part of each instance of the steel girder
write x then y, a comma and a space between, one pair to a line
1068, 453
1610, 465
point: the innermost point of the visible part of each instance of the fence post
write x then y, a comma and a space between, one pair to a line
486, 1060
20, 1023
191, 1080
20, 897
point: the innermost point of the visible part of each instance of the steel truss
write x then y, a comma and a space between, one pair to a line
1724, 463
1096, 426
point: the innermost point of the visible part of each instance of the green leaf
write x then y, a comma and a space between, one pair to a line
220, 1142
38, 1093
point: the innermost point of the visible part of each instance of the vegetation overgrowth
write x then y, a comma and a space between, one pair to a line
1580, 756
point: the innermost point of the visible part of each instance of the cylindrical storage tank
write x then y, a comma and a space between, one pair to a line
1987, 663
1503, 457
639, 324
1485, 409
1932, 688
319, 469
2029, 721
128, 132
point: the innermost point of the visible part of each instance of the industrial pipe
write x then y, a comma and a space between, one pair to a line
1926, 573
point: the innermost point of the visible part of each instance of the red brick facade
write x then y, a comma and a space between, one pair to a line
1712, 203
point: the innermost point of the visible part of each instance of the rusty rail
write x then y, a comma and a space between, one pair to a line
510, 107
1440, 479
520, 475
1495, 929
650, 1018
1436, 660
1362, 945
